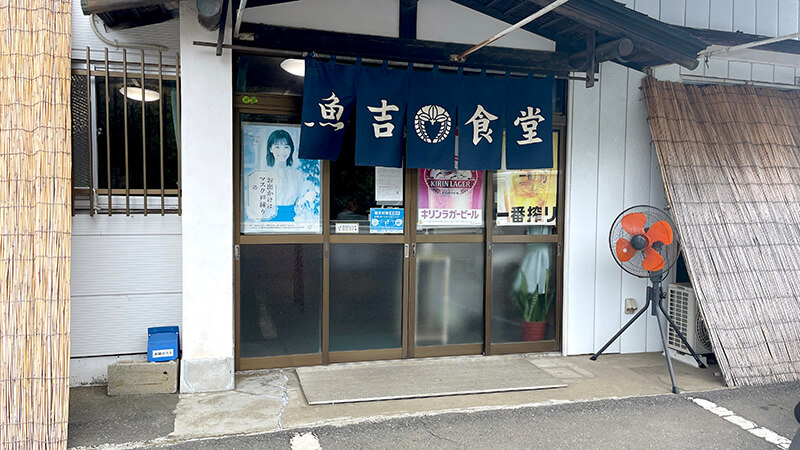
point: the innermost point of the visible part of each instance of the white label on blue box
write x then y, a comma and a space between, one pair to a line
163, 353
386, 220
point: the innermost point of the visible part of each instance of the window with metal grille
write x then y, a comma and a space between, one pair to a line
126, 136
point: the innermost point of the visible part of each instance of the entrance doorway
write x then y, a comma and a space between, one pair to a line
319, 281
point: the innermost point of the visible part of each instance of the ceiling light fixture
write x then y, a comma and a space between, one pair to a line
294, 66
135, 93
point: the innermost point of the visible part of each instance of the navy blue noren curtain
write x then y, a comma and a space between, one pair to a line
431, 120
380, 116
529, 123
329, 93
481, 116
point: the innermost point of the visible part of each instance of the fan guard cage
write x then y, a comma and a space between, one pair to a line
634, 265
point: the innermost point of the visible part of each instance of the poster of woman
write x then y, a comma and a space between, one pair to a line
280, 192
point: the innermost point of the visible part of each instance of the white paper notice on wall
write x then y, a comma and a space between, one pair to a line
347, 228
389, 185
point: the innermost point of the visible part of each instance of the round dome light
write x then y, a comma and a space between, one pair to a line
135, 93
294, 66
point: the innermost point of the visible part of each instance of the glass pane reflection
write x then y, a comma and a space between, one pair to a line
449, 294
366, 296
280, 306
523, 292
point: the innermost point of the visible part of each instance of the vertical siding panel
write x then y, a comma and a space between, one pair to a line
767, 17
740, 70
610, 192
649, 7
658, 198
784, 74
581, 207
788, 16
717, 68
744, 16
637, 192
721, 15
700, 70
697, 13
763, 72
671, 72
673, 12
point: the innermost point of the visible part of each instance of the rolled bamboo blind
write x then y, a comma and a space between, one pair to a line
730, 158
35, 222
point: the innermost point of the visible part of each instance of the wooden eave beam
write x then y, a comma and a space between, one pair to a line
400, 49
646, 33
408, 19
635, 26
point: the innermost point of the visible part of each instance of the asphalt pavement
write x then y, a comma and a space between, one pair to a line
741, 418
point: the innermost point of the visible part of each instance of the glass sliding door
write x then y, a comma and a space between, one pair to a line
280, 252
525, 258
368, 270
447, 288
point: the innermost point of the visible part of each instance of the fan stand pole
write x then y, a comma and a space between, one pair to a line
655, 293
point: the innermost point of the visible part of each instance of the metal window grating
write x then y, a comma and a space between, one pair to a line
126, 151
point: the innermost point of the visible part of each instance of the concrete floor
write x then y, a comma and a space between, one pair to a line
272, 400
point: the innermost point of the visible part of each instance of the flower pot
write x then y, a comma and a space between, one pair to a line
533, 331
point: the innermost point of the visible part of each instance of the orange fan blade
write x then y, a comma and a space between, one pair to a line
653, 262
625, 250
660, 231
633, 223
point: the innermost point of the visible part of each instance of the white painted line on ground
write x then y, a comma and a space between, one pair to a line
305, 441
749, 426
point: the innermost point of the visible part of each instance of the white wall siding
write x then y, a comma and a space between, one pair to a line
611, 166
447, 21
744, 16
697, 14
125, 277
765, 17
638, 167
788, 16
673, 12
610, 193
437, 20
721, 15
374, 17
581, 233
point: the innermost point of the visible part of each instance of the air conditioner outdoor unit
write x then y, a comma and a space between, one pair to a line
683, 308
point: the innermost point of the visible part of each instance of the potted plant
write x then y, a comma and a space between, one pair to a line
534, 307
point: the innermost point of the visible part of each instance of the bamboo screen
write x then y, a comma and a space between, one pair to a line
35, 222
730, 158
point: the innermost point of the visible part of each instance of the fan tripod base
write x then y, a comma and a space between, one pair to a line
656, 308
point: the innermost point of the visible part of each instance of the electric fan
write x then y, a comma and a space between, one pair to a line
643, 244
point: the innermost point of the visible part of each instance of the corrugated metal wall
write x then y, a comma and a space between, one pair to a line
126, 277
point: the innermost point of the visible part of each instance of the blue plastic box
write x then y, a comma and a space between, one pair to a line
162, 344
